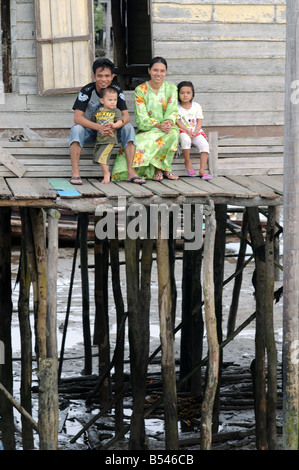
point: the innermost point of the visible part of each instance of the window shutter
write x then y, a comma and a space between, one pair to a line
64, 45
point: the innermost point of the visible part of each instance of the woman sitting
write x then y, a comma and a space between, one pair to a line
156, 113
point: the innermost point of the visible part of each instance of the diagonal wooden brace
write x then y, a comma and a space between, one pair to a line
12, 163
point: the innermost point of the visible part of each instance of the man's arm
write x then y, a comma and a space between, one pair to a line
126, 116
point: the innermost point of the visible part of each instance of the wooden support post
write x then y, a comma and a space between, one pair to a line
85, 292
192, 320
213, 157
26, 340
101, 330
138, 298
52, 264
219, 258
166, 334
38, 229
120, 312
269, 334
48, 398
6, 410
211, 328
291, 239
258, 247
238, 279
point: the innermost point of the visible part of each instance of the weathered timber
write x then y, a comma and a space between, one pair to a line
84, 217
48, 404
101, 333
259, 280
239, 276
211, 327
6, 378
120, 317
26, 337
269, 334
166, 335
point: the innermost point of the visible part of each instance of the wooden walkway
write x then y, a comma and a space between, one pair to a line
247, 191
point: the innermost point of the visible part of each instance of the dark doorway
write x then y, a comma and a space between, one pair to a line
5, 45
131, 24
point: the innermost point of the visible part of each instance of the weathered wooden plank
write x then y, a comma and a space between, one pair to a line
275, 182
161, 189
136, 190
184, 187
12, 163
231, 188
5, 192
255, 186
25, 188
111, 190
215, 50
87, 189
214, 31
230, 66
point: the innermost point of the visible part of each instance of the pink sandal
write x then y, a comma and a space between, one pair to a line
205, 177
191, 172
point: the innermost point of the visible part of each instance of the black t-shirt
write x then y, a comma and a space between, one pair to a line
88, 100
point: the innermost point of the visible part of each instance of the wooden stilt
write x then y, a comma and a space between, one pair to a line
219, 258
238, 279
6, 410
192, 320
139, 343
211, 327
52, 260
120, 312
166, 334
269, 333
69, 300
26, 340
38, 228
48, 397
260, 281
85, 293
101, 332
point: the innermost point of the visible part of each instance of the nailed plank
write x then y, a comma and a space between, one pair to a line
87, 189
64, 188
254, 185
161, 189
111, 190
26, 188
182, 185
274, 181
12, 163
136, 190
234, 188
5, 192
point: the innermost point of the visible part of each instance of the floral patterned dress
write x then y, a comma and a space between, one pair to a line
153, 147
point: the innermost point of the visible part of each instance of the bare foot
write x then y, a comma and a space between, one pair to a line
106, 178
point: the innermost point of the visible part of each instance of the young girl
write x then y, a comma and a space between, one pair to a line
189, 123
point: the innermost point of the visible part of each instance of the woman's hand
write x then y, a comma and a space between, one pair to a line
166, 126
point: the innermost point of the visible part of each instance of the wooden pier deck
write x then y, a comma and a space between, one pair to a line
247, 191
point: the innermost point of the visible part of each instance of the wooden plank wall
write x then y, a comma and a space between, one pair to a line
233, 51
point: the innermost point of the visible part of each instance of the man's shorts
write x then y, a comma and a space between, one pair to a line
83, 135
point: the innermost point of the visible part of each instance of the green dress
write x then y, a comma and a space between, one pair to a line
153, 147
